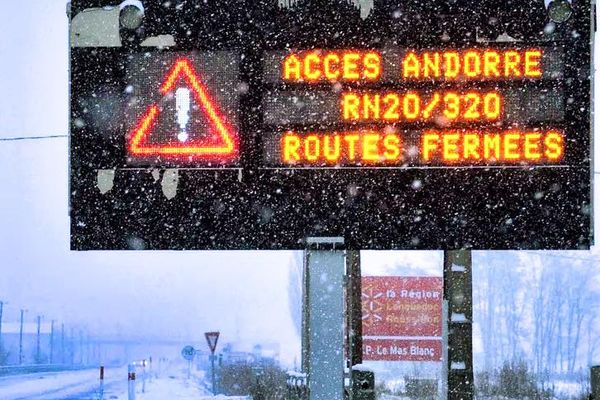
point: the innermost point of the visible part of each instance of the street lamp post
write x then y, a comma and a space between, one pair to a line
37, 343
62, 343
52, 342
21, 338
1, 310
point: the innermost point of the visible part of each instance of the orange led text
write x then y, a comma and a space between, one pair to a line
502, 147
412, 106
364, 147
319, 66
472, 64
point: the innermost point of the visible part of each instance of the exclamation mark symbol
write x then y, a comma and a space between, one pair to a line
182, 106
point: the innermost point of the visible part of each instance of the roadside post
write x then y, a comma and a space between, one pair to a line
131, 382
101, 382
144, 376
211, 339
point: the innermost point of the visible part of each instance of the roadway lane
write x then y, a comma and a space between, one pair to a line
71, 385
170, 383
175, 386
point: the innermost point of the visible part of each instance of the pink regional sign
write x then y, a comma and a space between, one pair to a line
402, 306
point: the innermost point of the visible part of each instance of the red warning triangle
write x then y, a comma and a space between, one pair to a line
212, 338
225, 147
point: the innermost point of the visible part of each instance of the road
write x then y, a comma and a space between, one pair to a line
81, 385
85, 385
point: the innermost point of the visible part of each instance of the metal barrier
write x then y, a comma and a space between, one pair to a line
34, 369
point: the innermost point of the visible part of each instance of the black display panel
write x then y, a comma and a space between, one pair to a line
255, 133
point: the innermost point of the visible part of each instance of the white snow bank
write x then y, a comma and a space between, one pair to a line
67, 383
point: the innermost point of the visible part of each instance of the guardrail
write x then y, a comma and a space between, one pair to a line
34, 369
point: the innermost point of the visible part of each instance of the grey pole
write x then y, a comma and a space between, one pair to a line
37, 342
87, 349
21, 339
72, 346
325, 301
212, 367
52, 342
354, 314
80, 347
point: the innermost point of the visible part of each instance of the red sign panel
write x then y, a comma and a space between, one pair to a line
402, 350
402, 306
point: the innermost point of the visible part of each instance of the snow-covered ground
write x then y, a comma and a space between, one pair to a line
171, 387
58, 385
85, 385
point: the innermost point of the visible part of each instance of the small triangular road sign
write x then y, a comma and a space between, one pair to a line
212, 338
222, 145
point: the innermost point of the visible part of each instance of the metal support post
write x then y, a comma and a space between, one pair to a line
305, 343
353, 313
458, 291
212, 369
595, 376
324, 300
354, 299
443, 392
